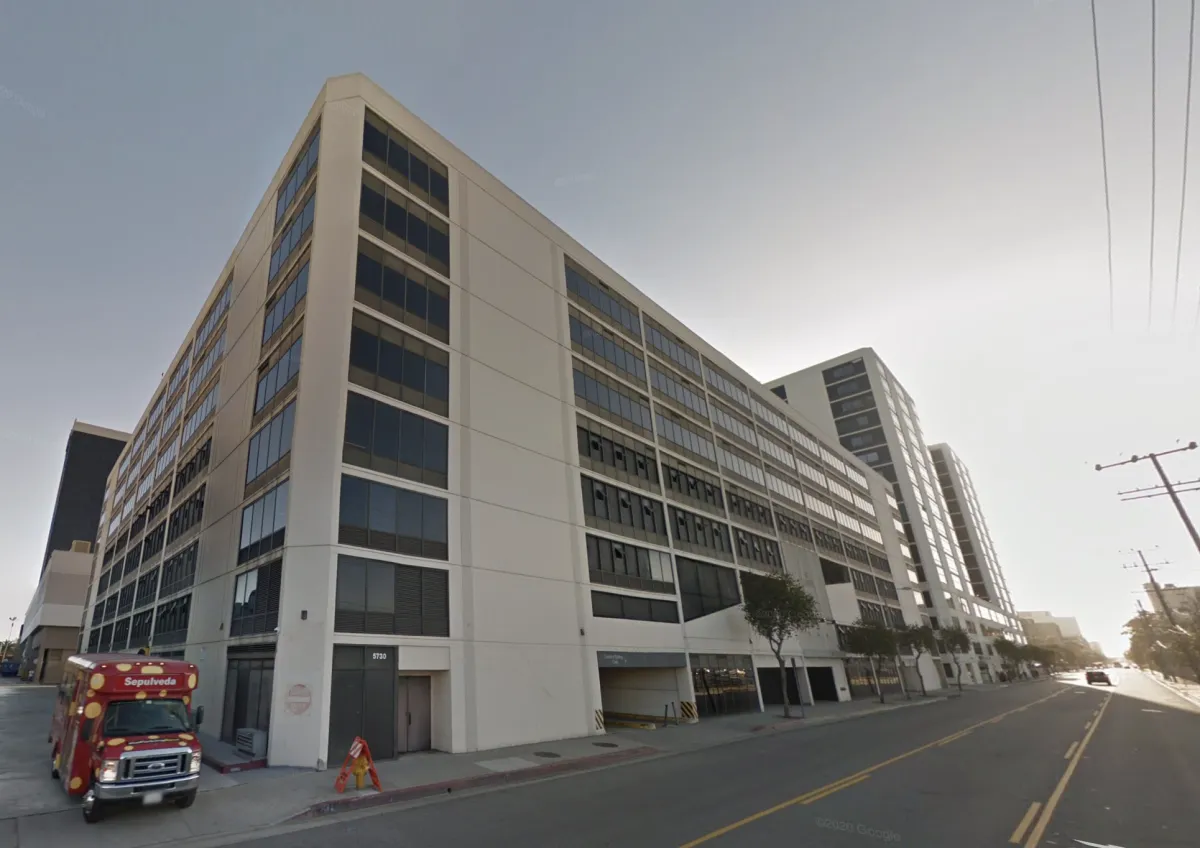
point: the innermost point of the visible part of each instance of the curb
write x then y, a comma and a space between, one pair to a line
411, 793
1164, 684
796, 722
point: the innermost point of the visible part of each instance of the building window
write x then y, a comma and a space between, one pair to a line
200, 415
840, 372
686, 395
608, 605
179, 373
256, 600
603, 347
753, 550
586, 290
750, 509
601, 395
700, 534
834, 573
386, 518
727, 386
187, 515
672, 347
850, 406
705, 588
171, 621
603, 450
395, 441
280, 307
697, 444
194, 467
215, 313
156, 539
847, 388
264, 524
616, 510
391, 599
743, 465
304, 166
125, 599
404, 224
120, 635
200, 374
734, 424
388, 360
278, 376
629, 566
828, 540
147, 590
793, 525
179, 571
291, 238
271, 444
402, 292
694, 485
405, 163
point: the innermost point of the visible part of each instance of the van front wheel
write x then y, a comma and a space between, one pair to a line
93, 808
185, 801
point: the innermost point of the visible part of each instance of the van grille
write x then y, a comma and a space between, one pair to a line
155, 766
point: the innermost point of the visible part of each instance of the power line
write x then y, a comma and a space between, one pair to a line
1187, 126
1153, 150
1171, 491
1104, 167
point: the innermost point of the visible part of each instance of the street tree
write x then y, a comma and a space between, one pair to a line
874, 641
777, 608
918, 639
1009, 653
957, 642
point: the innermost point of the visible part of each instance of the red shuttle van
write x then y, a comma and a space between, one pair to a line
124, 731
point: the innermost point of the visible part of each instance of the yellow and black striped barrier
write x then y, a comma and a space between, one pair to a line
687, 711
599, 719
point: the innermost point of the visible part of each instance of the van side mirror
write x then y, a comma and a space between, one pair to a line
199, 718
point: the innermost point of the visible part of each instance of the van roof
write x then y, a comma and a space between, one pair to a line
134, 661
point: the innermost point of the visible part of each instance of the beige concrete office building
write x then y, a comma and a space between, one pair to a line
426, 470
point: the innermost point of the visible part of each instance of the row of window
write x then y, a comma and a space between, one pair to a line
701, 534
215, 313
167, 460
387, 518
292, 237
270, 444
793, 525
400, 291
395, 441
279, 376
264, 524
631, 608
605, 396
194, 467
585, 289
598, 344
405, 163
629, 566
200, 414
392, 362
734, 424
147, 589
623, 458
695, 485
404, 224
679, 392
684, 437
705, 588
186, 516
727, 386
750, 509
178, 374
668, 344
179, 571
638, 515
736, 462
305, 164
391, 599
256, 596
284, 303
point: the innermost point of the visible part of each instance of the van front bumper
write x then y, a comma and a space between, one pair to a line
170, 787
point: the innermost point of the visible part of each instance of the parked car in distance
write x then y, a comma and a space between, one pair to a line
1096, 676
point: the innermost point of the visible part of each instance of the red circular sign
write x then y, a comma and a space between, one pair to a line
299, 699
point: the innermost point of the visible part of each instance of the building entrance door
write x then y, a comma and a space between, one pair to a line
413, 731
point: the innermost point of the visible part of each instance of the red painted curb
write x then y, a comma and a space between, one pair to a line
410, 793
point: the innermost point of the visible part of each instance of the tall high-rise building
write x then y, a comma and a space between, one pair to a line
50, 631
974, 539
427, 471
858, 400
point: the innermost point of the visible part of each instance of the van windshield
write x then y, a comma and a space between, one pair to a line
140, 718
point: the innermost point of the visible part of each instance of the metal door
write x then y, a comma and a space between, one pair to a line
418, 714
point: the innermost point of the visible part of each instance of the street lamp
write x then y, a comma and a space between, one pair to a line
12, 622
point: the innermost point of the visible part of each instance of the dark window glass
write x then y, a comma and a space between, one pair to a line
629, 607
386, 598
264, 523
387, 518
705, 588
388, 360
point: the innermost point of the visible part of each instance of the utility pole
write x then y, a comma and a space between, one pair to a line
1166, 484
1157, 589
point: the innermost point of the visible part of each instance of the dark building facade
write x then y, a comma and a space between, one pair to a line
91, 453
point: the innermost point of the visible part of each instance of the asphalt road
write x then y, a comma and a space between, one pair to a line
1038, 764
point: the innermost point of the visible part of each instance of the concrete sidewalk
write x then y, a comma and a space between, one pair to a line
247, 801
1183, 688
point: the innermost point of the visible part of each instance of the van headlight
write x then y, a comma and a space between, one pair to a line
194, 768
109, 770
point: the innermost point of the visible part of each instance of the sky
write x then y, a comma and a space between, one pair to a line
791, 179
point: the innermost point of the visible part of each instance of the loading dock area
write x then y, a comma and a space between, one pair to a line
645, 687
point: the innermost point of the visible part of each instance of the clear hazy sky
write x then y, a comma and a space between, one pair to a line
792, 179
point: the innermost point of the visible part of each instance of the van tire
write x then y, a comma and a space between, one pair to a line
94, 813
185, 801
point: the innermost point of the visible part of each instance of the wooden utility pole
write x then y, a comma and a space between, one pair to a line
1168, 487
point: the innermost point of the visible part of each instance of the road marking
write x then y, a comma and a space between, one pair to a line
837, 788
1056, 796
1026, 820
1149, 711
1071, 750
953, 738
829, 788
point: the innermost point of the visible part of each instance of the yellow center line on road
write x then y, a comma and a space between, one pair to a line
857, 777
953, 738
1071, 750
1019, 833
1048, 811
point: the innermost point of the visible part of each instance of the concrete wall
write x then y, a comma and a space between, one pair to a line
640, 691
